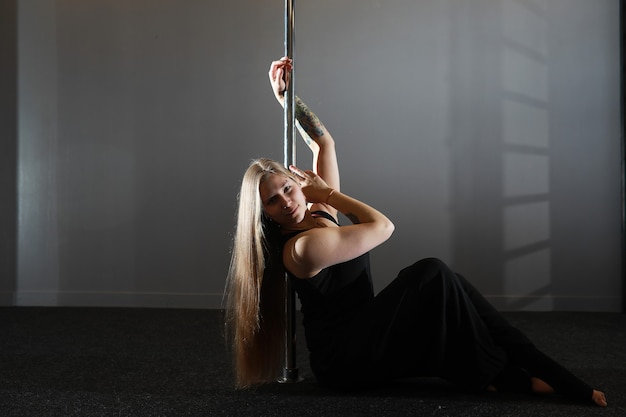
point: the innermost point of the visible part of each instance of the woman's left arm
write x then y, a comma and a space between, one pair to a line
313, 132
321, 143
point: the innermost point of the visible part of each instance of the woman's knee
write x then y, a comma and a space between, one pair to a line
429, 270
431, 263
435, 267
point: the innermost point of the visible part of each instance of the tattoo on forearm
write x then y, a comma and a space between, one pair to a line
354, 219
309, 121
305, 136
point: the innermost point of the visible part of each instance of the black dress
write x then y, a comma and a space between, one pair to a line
429, 322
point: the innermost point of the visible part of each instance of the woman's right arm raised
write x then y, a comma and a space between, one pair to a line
318, 248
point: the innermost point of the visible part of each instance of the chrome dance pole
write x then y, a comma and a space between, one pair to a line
290, 370
290, 111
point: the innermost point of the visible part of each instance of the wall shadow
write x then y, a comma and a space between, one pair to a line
500, 149
8, 152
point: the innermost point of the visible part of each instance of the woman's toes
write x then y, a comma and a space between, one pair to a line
599, 398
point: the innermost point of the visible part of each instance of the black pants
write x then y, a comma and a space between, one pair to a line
431, 321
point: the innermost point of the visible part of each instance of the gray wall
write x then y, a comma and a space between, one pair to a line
487, 129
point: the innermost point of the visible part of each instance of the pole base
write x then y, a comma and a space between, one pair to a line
290, 375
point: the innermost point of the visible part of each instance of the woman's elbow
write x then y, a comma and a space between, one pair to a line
388, 228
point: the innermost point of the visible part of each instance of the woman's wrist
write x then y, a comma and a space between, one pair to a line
330, 194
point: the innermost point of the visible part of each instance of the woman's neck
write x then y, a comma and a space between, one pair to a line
309, 222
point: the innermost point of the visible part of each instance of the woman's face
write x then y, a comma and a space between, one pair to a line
282, 199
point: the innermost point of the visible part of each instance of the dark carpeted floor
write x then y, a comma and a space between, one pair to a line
167, 362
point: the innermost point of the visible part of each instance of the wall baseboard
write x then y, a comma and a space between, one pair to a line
214, 301
556, 303
114, 299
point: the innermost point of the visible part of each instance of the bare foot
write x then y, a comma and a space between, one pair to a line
539, 386
599, 398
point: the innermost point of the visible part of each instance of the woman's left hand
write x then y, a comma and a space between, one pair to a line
279, 74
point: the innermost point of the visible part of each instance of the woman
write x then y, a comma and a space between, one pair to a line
429, 321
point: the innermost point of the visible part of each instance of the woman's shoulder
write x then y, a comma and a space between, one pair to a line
305, 253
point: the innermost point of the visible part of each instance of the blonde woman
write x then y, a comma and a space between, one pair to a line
429, 321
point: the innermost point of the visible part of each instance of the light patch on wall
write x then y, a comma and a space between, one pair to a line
526, 224
525, 124
525, 174
527, 279
524, 74
525, 23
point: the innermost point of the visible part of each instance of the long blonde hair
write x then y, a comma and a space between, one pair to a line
255, 291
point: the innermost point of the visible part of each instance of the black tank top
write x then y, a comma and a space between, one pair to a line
332, 298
